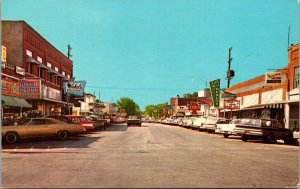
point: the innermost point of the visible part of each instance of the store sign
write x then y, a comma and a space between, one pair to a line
231, 104
228, 95
3, 57
273, 77
30, 88
194, 107
74, 87
215, 92
10, 87
20, 70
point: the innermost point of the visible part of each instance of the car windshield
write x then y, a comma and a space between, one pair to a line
235, 121
253, 122
78, 119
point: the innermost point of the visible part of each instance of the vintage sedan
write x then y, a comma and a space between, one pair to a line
227, 129
134, 120
76, 119
266, 129
39, 127
198, 122
210, 124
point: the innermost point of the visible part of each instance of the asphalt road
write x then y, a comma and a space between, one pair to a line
150, 156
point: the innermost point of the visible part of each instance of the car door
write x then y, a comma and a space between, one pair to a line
37, 128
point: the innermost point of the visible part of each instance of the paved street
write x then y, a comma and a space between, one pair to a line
153, 155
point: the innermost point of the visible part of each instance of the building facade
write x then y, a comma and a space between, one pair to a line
35, 68
275, 99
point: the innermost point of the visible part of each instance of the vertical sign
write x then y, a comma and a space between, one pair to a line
215, 92
3, 57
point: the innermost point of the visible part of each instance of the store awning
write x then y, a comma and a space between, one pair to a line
15, 102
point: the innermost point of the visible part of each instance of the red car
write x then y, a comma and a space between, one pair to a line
77, 119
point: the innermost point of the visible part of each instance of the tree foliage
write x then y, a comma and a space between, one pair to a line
191, 95
156, 111
129, 106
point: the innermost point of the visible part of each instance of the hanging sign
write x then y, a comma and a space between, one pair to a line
74, 87
231, 104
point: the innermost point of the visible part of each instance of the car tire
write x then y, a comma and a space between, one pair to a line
128, 124
288, 139
11, 137
62, 135
269, 138
226, 135
245, 138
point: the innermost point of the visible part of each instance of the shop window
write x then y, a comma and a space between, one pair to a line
296, 78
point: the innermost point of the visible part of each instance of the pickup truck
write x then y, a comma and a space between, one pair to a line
134, 120
266, 129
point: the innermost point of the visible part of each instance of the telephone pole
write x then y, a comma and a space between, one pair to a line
230, 73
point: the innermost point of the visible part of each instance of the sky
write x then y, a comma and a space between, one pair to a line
152, 50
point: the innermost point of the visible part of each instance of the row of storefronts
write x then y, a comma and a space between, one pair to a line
33, 72
274, 95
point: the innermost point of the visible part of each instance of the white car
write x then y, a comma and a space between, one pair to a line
210, 123
189, 121
198, 122
227, 129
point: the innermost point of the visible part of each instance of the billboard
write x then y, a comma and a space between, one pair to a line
74, 87
215, 92
30, 88
10, 88
231, 104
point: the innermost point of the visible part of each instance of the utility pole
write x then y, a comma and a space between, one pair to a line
230, 73
69, 51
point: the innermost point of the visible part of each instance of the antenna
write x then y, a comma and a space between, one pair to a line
69, 51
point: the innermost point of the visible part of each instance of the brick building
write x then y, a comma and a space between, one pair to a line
271, 100
35, 67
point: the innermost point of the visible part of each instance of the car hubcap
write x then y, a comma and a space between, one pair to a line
11, 138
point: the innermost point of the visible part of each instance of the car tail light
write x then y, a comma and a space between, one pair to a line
87, 124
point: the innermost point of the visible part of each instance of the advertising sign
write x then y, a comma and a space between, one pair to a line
3, 57
20, 70
194, 106
231, 104
10, 88
30, 88
273, 77
215, 92
228, 95
74, 87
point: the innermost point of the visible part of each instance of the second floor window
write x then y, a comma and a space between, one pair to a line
296, 78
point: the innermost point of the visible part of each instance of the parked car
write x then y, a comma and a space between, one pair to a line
98, 122
198, 122
39, 127
107, 118
227, 129
134, 120
266, 129
210, 123
77, 119
188, 122
296, 137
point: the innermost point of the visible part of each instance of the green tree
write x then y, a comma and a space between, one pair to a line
130, 107
190, 95
156, 111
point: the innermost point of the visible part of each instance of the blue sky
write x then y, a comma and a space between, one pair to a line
151, 50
